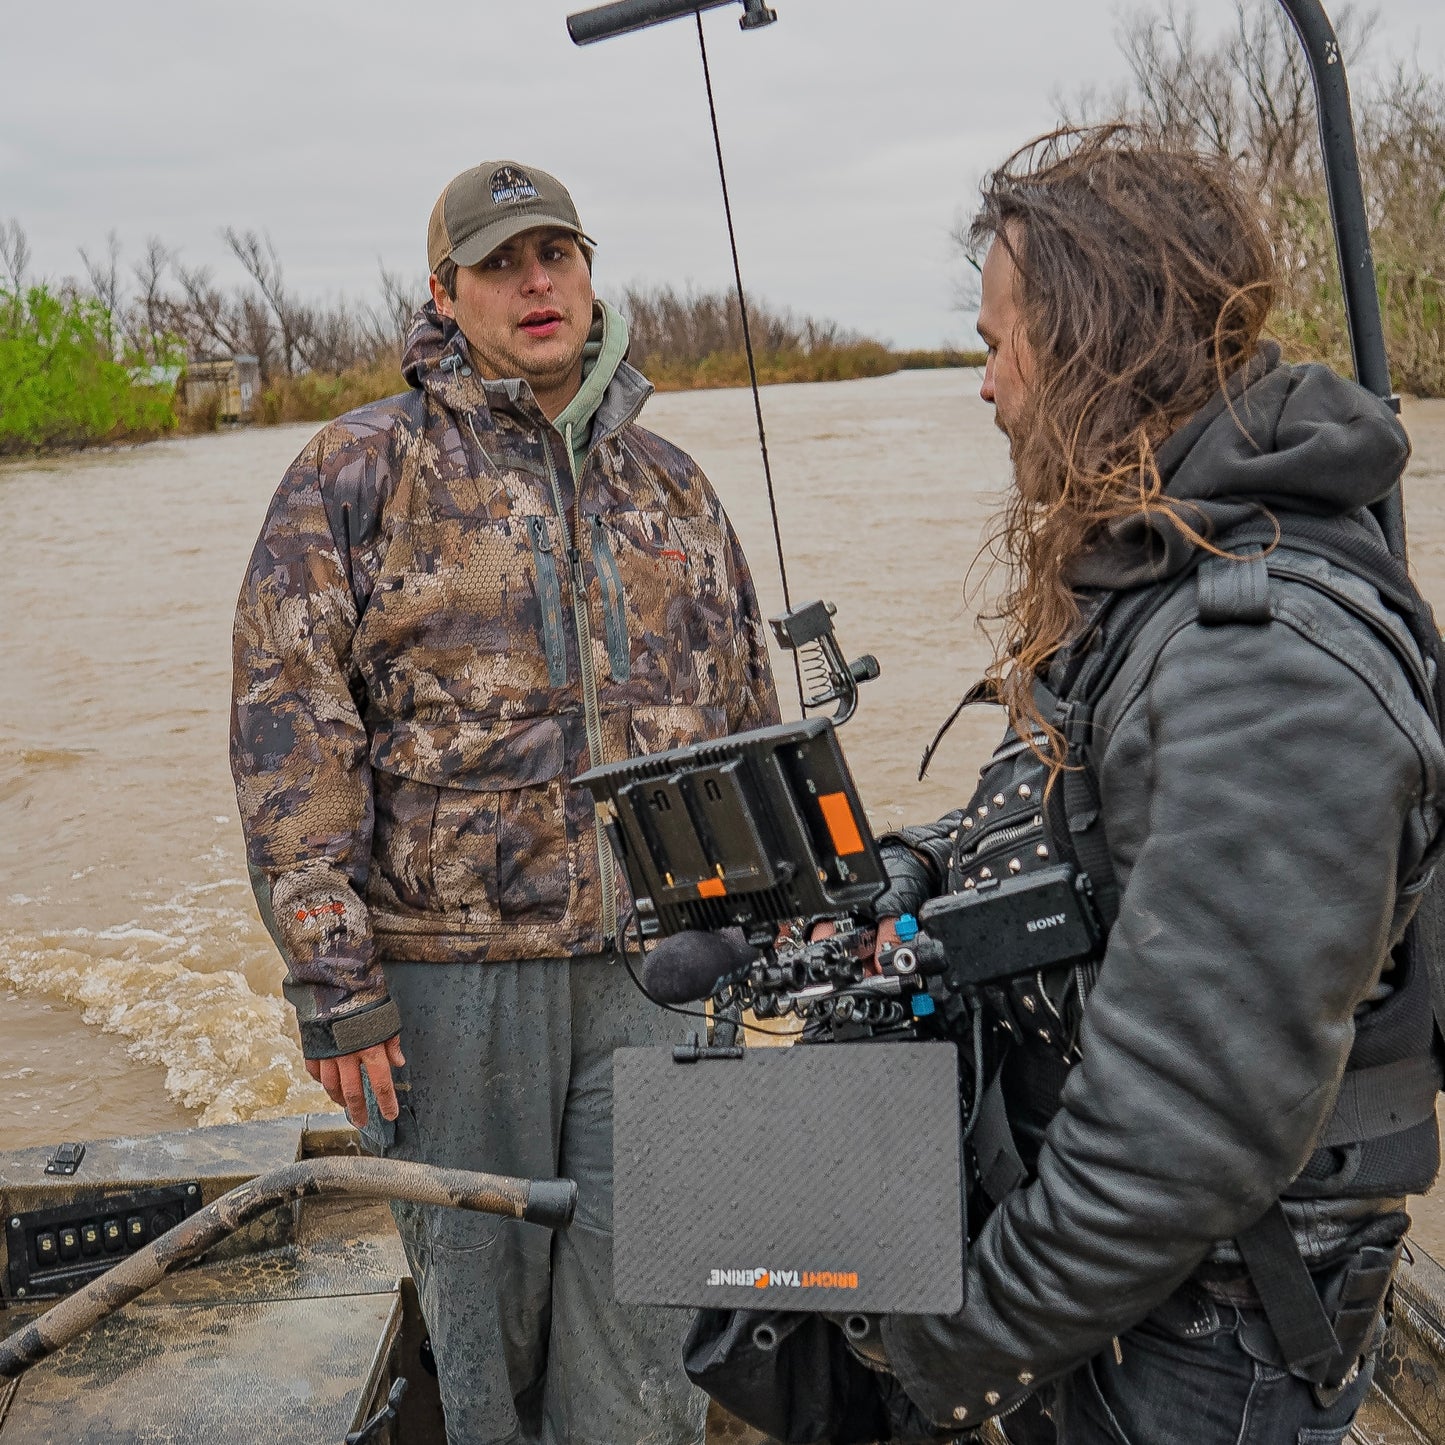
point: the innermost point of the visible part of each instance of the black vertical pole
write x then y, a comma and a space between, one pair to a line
1352, 231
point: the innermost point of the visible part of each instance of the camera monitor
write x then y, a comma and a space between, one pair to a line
750, 830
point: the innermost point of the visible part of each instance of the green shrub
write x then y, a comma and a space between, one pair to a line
60, 384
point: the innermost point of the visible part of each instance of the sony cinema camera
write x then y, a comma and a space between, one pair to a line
802, 1178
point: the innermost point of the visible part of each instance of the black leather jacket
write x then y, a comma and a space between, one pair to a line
1265, 790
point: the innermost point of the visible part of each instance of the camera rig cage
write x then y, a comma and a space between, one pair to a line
721, 1155
764, 832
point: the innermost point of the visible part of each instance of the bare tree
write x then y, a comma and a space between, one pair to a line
1244, 94
1403, 139
295, 322
1182, 89
211, 322
14, 256
384, 327
104, 274
152, 316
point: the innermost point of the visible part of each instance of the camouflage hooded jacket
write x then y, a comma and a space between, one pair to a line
438, 629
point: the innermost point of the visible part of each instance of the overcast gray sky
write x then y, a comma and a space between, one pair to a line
855, 131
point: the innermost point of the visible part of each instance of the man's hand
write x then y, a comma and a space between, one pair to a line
341, 1078
887, 937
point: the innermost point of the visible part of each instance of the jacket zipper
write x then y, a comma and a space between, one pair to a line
592, 715
549, 595
998, 837
619, 653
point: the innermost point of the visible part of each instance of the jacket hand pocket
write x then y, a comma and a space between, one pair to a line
503, 853
497, 849
402, 838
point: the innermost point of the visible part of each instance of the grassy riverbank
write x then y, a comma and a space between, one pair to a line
90, 364
99, 405
316, 397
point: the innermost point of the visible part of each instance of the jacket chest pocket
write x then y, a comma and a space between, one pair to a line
666, 601
476, 828
470, 613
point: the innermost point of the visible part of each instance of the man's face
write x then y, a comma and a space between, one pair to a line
1009, 373
525, 310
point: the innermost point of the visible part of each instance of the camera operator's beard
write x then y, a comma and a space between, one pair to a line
999, 422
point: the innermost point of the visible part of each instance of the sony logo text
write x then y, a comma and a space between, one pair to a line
1037, 925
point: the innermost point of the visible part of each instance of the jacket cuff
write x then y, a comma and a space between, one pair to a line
350, 1033
948, 1377
909, 882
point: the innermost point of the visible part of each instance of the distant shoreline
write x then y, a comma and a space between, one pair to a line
312, 397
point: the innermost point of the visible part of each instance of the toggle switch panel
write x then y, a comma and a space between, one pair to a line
53, 1251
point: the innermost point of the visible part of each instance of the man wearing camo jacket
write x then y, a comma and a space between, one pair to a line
462, 597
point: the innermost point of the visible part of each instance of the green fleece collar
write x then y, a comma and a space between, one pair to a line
602, 355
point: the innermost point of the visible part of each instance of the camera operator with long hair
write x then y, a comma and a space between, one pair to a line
1192, 1161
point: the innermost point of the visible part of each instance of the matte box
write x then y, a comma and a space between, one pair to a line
821, 1177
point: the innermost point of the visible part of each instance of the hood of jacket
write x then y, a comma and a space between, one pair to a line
1287, 438
435, 358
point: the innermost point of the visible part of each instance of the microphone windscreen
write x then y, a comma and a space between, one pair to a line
691, 966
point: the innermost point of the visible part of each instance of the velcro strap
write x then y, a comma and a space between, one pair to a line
1233, 589
1383, 1100
1000, 1169
1288, 1295
349, 1034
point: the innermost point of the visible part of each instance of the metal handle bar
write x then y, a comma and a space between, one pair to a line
1351, 228
622, 16
548, 1202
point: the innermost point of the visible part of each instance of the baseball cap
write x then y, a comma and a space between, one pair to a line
491, 203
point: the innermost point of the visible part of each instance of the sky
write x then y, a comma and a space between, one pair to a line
856, 132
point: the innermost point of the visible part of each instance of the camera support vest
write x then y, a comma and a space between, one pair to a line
1383, 1126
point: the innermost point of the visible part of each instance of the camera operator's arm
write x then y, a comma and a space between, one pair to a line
1256, 789
917, 861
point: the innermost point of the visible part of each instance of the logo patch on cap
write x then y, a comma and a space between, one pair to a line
509, 186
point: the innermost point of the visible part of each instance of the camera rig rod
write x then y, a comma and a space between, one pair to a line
623, 16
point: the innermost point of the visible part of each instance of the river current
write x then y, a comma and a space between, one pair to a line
138, 990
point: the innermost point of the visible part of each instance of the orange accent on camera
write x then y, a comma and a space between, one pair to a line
841, 823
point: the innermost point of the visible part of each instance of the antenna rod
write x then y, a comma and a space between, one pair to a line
622, 16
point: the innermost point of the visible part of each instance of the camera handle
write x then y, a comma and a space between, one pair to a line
828, 675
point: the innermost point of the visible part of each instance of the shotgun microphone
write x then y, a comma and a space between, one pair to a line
691, 966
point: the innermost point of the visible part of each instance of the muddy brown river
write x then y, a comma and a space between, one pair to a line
138, 990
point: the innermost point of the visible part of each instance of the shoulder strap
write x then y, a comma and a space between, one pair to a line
1291, 1303
1231, 590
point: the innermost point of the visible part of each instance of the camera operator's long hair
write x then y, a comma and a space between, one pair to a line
1145, 276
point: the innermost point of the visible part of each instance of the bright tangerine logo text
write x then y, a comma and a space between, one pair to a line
782, 1279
